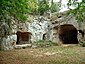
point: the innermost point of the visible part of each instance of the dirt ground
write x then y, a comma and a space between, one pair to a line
49, 55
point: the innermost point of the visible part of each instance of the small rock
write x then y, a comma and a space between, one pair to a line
33, 46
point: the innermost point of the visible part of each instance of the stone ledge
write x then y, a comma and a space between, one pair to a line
23, 46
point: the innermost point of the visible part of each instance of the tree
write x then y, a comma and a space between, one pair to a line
17, 9
33, 5
43, 6
54, 6
78, 12
13, 8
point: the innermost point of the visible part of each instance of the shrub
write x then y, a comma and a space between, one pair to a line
82, 43
43, 43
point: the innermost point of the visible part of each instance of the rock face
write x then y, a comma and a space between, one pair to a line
7, 40
40, 29
62, 19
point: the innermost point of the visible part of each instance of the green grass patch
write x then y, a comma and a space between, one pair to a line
82, 43
43, 43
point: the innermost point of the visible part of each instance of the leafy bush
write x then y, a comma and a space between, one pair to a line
43, 43
43, 6
82, 44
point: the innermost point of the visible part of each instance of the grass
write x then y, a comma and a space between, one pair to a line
49, 55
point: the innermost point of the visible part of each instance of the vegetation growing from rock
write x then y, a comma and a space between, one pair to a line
78, 12
43, 43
